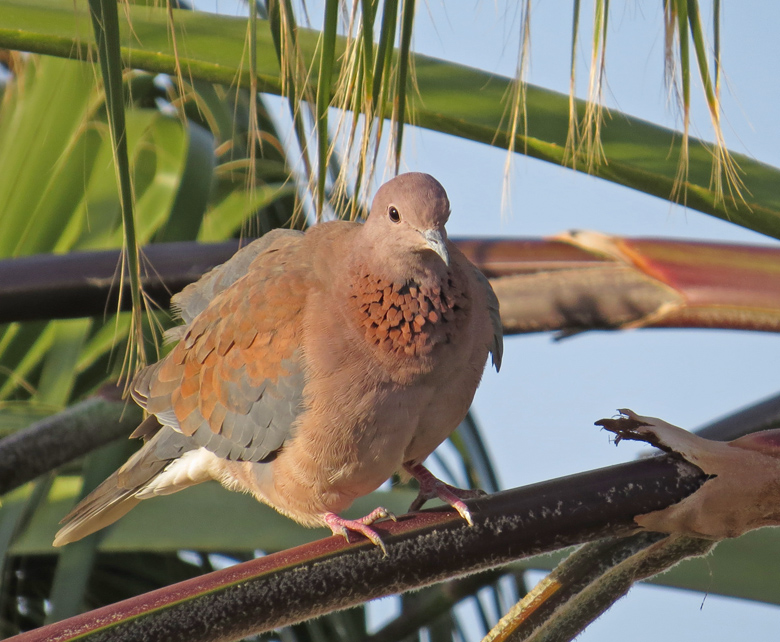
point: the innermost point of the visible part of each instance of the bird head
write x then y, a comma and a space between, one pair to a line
408, 214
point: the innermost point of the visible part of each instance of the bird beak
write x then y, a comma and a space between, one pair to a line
435, 240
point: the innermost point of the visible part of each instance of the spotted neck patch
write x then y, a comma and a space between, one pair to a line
407, 318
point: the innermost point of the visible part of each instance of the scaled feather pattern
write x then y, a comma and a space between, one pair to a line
311, 367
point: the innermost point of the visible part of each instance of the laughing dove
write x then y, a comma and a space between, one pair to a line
313, 366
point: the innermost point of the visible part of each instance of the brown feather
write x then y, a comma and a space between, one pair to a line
313, 366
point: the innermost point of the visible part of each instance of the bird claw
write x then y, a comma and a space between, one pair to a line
377, 514
340, 526
431, 487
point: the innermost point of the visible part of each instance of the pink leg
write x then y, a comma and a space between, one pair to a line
341, 526
431, 487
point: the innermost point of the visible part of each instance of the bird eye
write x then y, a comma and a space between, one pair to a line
392, 212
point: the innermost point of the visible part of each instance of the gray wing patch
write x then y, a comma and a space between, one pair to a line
256, 424
268, 422
254, 420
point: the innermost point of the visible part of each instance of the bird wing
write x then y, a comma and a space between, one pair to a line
196, 297
234, 382
497, 346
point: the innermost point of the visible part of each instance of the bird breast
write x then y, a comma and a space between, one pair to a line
408, 319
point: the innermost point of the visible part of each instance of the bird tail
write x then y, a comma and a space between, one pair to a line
122, 491
103, 506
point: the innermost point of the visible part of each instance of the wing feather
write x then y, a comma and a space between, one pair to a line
234, 383
497, 347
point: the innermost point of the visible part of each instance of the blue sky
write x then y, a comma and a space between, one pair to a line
537, 415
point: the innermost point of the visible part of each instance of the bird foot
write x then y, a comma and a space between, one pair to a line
431, 487
341, 526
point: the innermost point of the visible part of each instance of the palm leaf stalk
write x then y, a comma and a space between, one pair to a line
258, 595
571, 283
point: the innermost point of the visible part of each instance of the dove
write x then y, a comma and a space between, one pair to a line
311, 367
